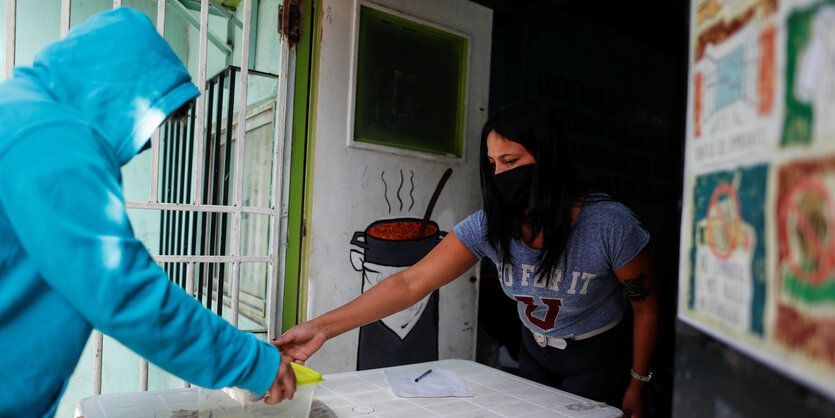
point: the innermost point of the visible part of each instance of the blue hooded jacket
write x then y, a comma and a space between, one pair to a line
69, 260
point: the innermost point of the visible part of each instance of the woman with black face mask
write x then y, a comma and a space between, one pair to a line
574, 261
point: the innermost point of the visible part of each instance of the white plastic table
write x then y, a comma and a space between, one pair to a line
367, 394
496, 394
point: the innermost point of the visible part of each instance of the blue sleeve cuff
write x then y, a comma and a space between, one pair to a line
266, 369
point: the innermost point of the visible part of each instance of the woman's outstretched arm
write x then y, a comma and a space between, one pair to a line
447, 261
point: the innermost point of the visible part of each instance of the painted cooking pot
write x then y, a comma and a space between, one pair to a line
409, 336
395, 242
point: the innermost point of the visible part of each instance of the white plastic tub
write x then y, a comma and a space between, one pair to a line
199, 402
230, 402
181, 403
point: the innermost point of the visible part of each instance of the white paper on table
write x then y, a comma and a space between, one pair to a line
437, 384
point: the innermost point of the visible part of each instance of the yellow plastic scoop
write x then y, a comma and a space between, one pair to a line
306, 376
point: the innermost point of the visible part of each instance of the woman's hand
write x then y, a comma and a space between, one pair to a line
301, 341
634, 400
283, 387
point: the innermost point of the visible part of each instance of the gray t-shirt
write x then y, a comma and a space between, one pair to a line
586, 296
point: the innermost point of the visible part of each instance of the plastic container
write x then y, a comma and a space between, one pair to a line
169, 403
233, 402
200, 402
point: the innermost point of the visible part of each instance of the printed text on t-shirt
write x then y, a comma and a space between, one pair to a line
526, 273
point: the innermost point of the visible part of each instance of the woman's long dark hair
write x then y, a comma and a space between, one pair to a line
555, 187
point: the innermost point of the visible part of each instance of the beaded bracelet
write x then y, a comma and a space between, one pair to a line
641, 377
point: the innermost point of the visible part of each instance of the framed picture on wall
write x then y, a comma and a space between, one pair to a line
409, 85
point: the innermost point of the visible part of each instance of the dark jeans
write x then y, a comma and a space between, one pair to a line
596, 368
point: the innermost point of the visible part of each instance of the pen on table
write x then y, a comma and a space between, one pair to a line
423, 375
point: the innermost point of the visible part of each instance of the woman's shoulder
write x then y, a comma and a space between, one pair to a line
472, 232
602, 207
477, 221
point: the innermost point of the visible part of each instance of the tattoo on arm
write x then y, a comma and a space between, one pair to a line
637, 289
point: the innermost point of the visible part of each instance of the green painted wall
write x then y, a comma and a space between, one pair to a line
306, 69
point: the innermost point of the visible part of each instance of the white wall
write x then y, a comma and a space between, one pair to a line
346, 186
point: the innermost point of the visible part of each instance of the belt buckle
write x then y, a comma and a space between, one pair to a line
540, 339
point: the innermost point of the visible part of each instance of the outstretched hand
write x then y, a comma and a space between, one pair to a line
283, 387
300, 342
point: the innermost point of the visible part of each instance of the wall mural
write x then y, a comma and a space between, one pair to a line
383, 248
727, 280
804, 291
758, 249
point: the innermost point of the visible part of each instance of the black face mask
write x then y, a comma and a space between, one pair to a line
514, 186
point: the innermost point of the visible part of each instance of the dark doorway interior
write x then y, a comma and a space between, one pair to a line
618, 71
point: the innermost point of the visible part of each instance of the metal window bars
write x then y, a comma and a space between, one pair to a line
195, 245
11, 20
177, 141
203, 234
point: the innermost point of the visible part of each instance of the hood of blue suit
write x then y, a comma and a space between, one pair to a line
118, 73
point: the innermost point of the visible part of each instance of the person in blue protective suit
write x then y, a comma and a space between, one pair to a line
69, 261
